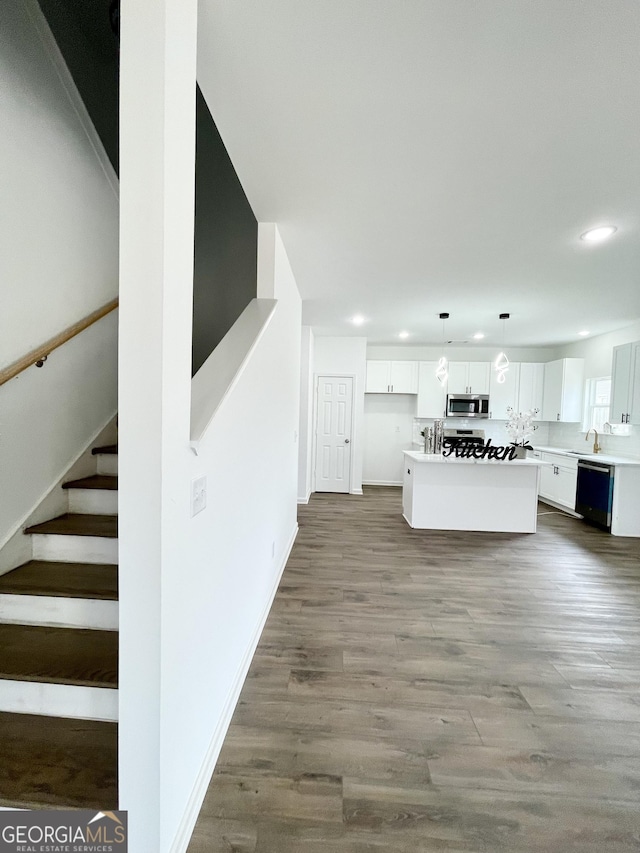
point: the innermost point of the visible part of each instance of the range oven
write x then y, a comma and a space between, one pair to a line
467, 405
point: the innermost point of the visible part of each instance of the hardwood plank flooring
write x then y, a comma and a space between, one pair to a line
437, 691
58, 762
59, 655
95, 481
69, 580
79, 524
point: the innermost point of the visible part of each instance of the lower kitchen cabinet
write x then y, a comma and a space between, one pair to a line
558, 480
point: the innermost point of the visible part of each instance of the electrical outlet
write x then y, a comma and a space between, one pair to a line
198, 495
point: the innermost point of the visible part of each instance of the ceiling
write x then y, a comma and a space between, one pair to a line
423, 156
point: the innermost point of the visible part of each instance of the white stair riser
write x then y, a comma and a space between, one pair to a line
74, 549
107, 463
59, 612
93, 501
59, 700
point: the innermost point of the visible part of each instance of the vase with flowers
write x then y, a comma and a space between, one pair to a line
520, 428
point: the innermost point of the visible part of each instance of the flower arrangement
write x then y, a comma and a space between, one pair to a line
520, 427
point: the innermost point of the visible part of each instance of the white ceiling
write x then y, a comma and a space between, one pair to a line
439, 155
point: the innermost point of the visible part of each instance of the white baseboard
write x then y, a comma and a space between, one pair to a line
382, 482
355, 491
305, 500
194, 804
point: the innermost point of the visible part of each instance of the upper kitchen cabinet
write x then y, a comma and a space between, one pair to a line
563, 390
469, 377
531, 387
432, 397
392, 377
625, 385
504, 395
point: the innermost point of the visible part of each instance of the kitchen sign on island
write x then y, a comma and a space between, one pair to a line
457, 493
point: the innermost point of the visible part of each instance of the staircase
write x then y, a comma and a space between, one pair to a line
59, 655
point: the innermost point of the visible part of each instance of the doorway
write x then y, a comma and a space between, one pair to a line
334, 412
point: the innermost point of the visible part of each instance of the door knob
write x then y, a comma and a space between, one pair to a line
346, 441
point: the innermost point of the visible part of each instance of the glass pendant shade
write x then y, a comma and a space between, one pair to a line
442, 370
501, 364
501, 367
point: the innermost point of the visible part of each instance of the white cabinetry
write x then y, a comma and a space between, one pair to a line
559, 480
504, 395
431, 394
392, 377
563, 390
469, 377
625, 393
530, 387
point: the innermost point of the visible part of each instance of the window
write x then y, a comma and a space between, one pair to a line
597, 400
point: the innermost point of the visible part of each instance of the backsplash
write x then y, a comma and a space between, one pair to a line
494, 430
570, 436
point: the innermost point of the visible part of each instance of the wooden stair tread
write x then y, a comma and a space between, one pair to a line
59, 655
75, 524
57, 762
96, 481
108, 448
68, 580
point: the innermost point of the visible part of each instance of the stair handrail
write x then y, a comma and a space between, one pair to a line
38, 356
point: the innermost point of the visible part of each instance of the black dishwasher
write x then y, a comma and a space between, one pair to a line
594, 494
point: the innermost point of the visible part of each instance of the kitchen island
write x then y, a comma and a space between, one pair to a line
450, 493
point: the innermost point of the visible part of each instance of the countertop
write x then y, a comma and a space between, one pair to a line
594, 457
437, 458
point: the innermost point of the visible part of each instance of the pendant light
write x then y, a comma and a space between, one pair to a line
442, 370
501, 365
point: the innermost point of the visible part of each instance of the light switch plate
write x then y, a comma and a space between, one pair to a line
198, 495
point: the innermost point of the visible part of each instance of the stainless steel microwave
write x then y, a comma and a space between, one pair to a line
467, 405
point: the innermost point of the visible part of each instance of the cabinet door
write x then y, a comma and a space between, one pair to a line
479, 377
620, 383
547, 481
530, 388
378, 377
503, 395
565, 486
552, 393
634, 385
404, 377
431, 394
458, 377
572, 399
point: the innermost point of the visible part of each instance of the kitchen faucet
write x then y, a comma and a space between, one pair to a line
596, 446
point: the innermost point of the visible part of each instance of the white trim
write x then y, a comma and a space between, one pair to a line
67, 82
382, 483
306, 499
59, 611
59, 700
194, 803
356, 492
316, 390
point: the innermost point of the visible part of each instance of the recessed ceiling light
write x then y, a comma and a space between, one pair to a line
595, 235
358, 320
403, 335
583, 333
479, 335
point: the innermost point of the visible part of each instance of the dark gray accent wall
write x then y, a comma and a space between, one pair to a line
226, 241
226, 231
82, 29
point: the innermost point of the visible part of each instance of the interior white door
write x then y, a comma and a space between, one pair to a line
333, 433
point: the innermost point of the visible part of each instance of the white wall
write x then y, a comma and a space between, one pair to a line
348, 357
194, 592
58, 262
59, 238
388, 430
305, 468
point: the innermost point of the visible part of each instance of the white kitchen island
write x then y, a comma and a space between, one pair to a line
448, 493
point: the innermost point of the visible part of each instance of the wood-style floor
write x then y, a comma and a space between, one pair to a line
434, 691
